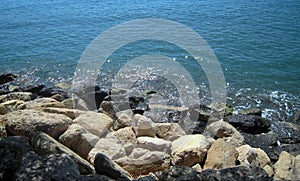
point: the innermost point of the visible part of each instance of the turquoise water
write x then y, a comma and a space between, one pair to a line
257, 42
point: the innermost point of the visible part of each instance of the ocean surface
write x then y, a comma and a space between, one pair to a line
257, 44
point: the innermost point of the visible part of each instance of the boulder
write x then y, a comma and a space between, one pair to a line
154, 144
222, 154
144, 126
222, 129
5, 78
41, 103
123, 135
247, 156
22, 96
79, 140
169, 131
189, 150
105, 166
96, 123
28, 122
249, 123
12, 150
43, 144
287, 167
124, 119
144, 162
177, 173
109, 147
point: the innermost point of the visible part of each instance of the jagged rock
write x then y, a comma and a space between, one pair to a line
124, 119
96, 123
222, 154
109, 147
123, 135
221, 129
10, 106
287, 167
154, 144
5, 78
105, 166
249, 123
41, 103
247, 155
43, 144
28, 122
177, 173
144, 126
48, 167
169, 131
144, 162
71, 113
190, 149
22, 96
79, 140
12, 149
236, 173
108, 108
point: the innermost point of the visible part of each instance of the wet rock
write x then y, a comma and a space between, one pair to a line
34, 89
48, 167
249, 123
144, 126
5, 78
79, 140
168, 131
177, 173
123, 135
43, 144
41, 103
287, 167
96, 123
28, 122
190, 149
23, 96
236, 173
154, 144
105, 166
286, 132
221, 154
12, 149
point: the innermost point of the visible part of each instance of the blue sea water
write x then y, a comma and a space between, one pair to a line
256, 42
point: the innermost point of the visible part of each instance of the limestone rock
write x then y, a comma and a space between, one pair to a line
10, 106
71, 113
42, 103
222, 154
96, 123
247, 155
263, 158
123, 135
269, 170
69, 103
105, 166
23, 96
144, 127
109, 147
169, 131
124, 119
189, 150
144, 163
154, 144
287, 167
3, 109
43, 144
79, 140
28, 122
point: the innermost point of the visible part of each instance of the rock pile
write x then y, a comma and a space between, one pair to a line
43, 138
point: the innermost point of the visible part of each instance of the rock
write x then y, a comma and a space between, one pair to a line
69, 103
94, 99
3, 109
269, 170
12, 149
58, 97
34, 89
124, 119
154, 144
2, 132
287, 167
10, 106
79, 140
124, 135
263, 158
249, 123
96, 123
168, 131
48, 92
177, 173
28, 122
22, 96
221, 129
236, 173
109, 147
71, 113
222, 154
138, 105
48, 167
144, 163
197, 168
5, 78
247, 156
189, 150
150, 177
105, 166
252, 111
41, 103
144, 126
43, 144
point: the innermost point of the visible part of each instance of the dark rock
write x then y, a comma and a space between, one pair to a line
138, 105
178, 173
4, 89
5, 78
249, 123
105, 166
48, 92
94, 99
96, 177
236, 174
146, 178
12, 149
34, 89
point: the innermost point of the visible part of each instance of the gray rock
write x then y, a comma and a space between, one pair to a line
168, 131
178, 173
154, 144
123, 135
144, 127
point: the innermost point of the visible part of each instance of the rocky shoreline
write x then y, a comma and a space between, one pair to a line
99, 135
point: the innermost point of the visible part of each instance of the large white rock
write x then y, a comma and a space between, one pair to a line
189, 150
287, 167
169, 131
144, 126
154, 144
96, 123
79, 140
123, 135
